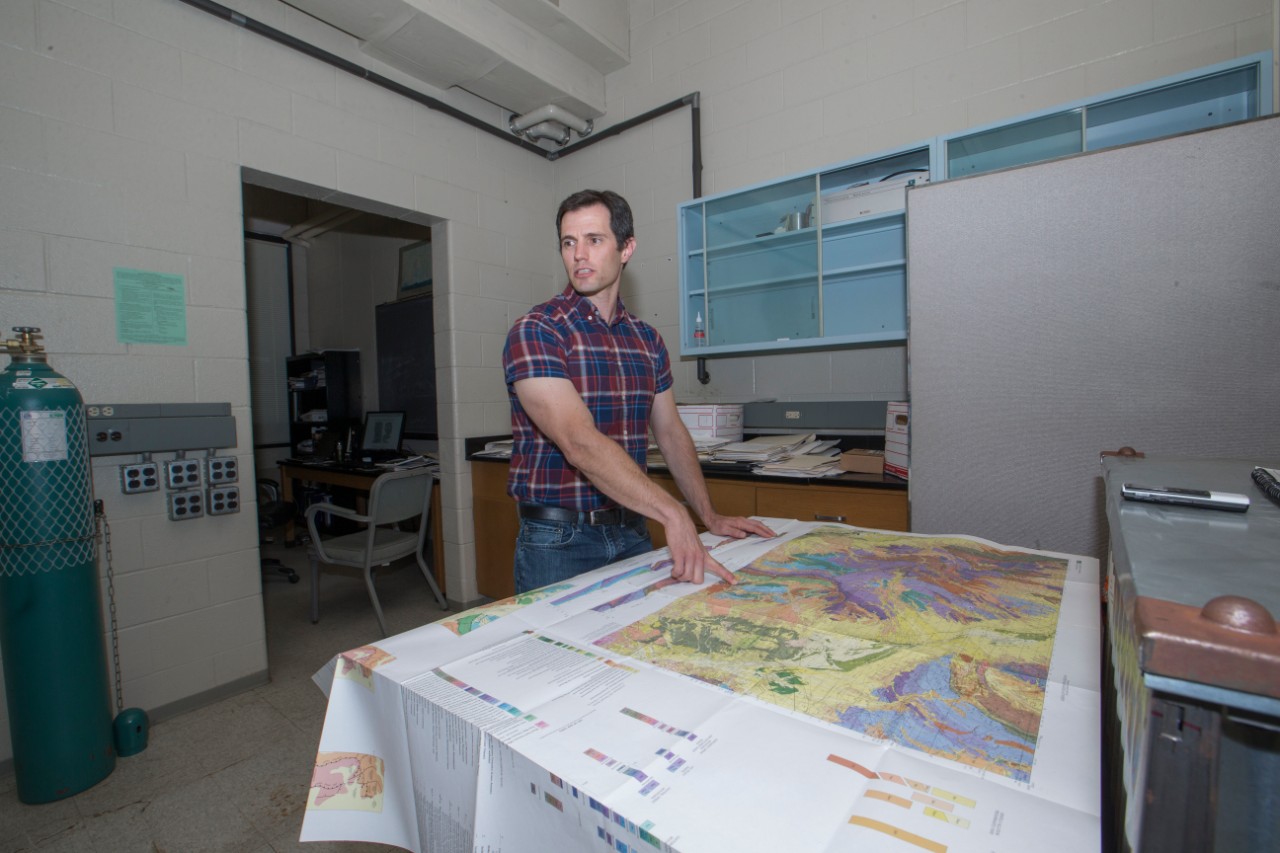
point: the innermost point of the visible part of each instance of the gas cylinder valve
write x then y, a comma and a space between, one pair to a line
26, 341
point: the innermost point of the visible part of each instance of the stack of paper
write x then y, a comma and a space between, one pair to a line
707, 446
806, 465
765, 448
497, 449
411, 462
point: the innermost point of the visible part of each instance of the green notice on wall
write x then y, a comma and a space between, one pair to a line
151, 307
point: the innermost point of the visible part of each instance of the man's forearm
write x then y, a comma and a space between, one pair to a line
682, 460
611, 470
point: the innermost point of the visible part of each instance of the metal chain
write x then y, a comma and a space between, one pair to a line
111, 602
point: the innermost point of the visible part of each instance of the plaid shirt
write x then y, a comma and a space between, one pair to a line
617, 368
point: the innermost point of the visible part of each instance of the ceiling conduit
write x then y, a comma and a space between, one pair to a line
558, 115
283, 38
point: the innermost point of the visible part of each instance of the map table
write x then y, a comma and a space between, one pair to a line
855, 689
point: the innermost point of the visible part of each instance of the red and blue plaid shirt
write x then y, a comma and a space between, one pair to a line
617, 368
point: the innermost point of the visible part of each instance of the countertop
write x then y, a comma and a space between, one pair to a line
732, 471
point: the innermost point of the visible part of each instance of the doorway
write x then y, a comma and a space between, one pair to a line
315, 272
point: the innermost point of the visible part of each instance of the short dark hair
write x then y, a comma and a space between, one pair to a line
620, 220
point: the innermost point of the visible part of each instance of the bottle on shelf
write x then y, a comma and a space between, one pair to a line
699, 331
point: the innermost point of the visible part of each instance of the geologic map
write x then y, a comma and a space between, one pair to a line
855, 689
938, 644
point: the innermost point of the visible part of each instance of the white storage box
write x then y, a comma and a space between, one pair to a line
714, 420
897, 427
864, 200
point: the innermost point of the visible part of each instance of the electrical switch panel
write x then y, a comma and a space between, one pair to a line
221, 469
186, 504
138, 478
182, 473
224, 500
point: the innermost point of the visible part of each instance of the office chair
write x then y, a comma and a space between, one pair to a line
395, 496
273, 512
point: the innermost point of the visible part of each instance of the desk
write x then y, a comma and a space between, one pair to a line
620, 711
359, 480
1195, 738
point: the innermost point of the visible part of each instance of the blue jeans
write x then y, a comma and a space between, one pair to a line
552, 551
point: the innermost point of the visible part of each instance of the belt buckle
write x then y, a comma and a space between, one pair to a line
606, 516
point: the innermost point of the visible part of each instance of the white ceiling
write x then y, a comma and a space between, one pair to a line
519, 54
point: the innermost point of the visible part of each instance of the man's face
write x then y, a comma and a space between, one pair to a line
590, 250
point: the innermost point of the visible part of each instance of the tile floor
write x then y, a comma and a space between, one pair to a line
231, 776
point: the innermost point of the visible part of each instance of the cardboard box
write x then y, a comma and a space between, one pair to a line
863, 461
897, 444
713, 420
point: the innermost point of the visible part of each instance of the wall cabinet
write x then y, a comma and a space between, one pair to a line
819, 259
324, 395
814, 260
496, 524
1210, 97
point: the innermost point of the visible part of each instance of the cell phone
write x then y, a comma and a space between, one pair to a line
1202, 498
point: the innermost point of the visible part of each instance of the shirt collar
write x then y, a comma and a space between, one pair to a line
585, 308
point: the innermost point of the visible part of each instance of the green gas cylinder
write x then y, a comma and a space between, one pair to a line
51, 628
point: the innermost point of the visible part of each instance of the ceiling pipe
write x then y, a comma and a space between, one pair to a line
691, 100
553, 130
551, 112
280, 37
217, 10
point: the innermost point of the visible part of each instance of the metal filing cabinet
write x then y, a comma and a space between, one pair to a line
1194, 743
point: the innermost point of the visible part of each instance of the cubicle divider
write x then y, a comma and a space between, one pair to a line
1128, 297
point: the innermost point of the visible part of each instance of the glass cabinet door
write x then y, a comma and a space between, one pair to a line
1209, 101
760, 267
1045, 138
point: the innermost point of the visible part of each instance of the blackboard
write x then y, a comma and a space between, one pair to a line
407, 363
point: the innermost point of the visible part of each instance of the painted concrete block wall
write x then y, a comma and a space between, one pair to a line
792, 85
125, 129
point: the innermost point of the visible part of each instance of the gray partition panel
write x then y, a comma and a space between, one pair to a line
1124, 297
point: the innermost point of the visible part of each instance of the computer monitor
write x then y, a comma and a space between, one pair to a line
382, 432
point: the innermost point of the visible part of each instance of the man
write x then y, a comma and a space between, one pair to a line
586, 380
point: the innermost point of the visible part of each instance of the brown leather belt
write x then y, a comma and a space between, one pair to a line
594, 518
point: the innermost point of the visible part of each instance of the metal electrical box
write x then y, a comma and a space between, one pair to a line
127, 428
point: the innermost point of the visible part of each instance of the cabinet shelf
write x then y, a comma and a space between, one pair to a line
767, 242
862, 269
762, 284
871, 222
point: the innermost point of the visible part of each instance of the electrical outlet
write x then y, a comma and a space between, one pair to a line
221, 469
139, 478
224, 500
182, 473
186, 504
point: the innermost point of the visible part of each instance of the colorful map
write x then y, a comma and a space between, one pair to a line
940, 644
359, 664
478, 617
350, 781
